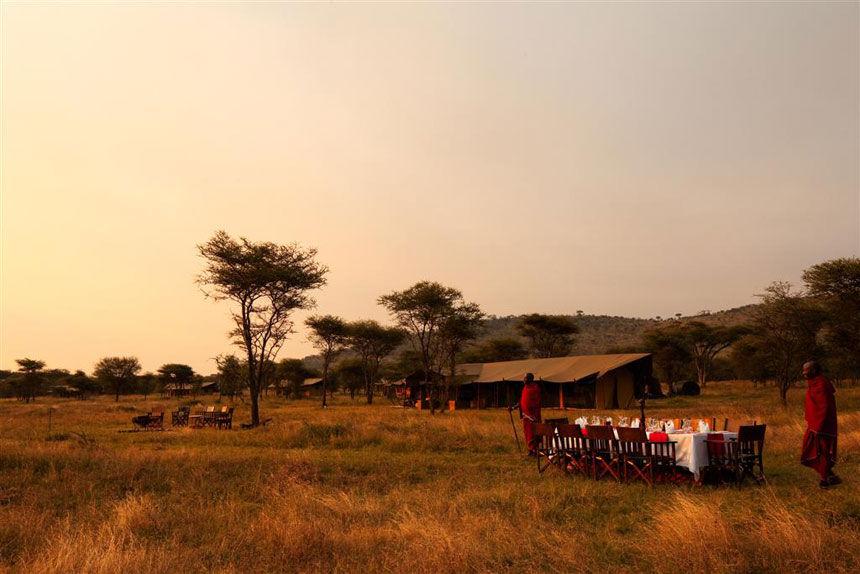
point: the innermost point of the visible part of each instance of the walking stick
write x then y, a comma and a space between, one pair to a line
516, 436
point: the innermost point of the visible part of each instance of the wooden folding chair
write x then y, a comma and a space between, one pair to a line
179, 418
749, 453
209, 416
636, 455
603, 452
664, 461
156, 419
574, 450
722, 460
224, 418
544, 435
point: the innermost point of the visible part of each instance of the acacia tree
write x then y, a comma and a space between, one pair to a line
497, 349
146, 384
787, 327
548, 335
30, 381
117, 373
328, 334
230, 377
749, 361
421, 310
82, 384
836, 283
372, 342
177, 374
350, 375
462, 325
672, 358
705, 342
268, 282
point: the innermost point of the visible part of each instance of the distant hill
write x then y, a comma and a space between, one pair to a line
601, 333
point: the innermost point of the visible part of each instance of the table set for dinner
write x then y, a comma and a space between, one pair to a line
689, 437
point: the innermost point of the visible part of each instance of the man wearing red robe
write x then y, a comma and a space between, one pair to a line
529, 406
819, 442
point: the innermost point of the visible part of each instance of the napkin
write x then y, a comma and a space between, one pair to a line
635, 424
704, 427
659, 437
670, 426
581, 421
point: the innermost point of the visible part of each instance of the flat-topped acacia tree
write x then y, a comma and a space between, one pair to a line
268, 282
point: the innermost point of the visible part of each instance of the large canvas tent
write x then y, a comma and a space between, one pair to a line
588, 381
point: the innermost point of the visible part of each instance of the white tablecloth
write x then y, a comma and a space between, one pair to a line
691, 450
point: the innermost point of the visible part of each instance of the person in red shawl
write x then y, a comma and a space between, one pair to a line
529, 406
819, 442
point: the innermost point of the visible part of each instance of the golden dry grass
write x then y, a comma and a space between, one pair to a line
379, 489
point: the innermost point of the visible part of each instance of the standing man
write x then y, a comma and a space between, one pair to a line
819, 442
529, 406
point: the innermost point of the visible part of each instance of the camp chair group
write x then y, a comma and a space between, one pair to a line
153, 420
596, 452
211, 418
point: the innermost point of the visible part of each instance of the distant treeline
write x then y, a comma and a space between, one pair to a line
766, 343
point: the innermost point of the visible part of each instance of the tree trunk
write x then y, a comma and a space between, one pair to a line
255, 409
325, 381
783, 392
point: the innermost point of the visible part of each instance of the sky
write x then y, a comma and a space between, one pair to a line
635, 159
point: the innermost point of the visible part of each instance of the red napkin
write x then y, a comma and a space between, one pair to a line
659, 437
584, 431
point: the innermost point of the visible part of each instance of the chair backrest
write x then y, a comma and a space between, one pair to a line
601, 437
751, 439
632, 441
556, 422
571, 438
543, 433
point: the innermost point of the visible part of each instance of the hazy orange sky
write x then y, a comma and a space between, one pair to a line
623, 159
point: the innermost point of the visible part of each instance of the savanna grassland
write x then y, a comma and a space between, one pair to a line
380, 489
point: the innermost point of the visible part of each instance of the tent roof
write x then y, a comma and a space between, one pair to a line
557, 370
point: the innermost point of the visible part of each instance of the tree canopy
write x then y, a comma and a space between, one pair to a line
548, 335
117, 373
836, 284
495, 349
